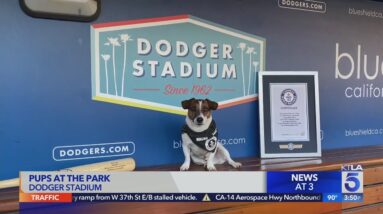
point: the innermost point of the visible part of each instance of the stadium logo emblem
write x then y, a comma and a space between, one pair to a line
139, 63
288, 97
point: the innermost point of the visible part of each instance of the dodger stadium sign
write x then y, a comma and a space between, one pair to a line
155, 63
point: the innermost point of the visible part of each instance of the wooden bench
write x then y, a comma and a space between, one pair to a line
370, 157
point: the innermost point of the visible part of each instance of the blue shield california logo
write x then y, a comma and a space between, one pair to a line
156, 63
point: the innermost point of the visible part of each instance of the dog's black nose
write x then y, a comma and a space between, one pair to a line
199, 119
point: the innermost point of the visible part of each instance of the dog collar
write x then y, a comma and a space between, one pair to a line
206, 140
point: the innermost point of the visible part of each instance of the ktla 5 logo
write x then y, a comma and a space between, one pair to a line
352, 179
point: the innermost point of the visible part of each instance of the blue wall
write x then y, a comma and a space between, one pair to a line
45, 80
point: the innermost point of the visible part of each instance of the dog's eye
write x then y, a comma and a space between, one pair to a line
193, 109
205, 110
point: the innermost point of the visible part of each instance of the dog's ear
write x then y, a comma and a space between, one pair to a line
186, 103
212, 105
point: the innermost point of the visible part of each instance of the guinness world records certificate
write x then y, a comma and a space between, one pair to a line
289, 114
289, 119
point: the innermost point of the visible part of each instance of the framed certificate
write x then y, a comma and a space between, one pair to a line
289, 114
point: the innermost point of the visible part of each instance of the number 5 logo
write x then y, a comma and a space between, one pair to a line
352, 182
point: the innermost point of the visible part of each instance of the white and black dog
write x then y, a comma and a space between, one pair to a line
200, 136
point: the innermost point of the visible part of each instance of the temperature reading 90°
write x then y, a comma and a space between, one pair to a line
332, 197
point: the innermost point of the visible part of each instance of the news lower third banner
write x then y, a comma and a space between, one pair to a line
260, 186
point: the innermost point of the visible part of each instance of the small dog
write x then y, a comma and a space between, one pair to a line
200, 136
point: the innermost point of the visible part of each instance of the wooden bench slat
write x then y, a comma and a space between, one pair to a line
373, 175
370, 209
372, 194
369, 155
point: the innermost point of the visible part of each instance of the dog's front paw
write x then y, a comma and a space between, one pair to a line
185, 167
235, 164
211, 167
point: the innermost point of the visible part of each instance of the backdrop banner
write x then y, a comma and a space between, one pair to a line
77, 93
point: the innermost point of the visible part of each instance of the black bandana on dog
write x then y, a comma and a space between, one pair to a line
206, 140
